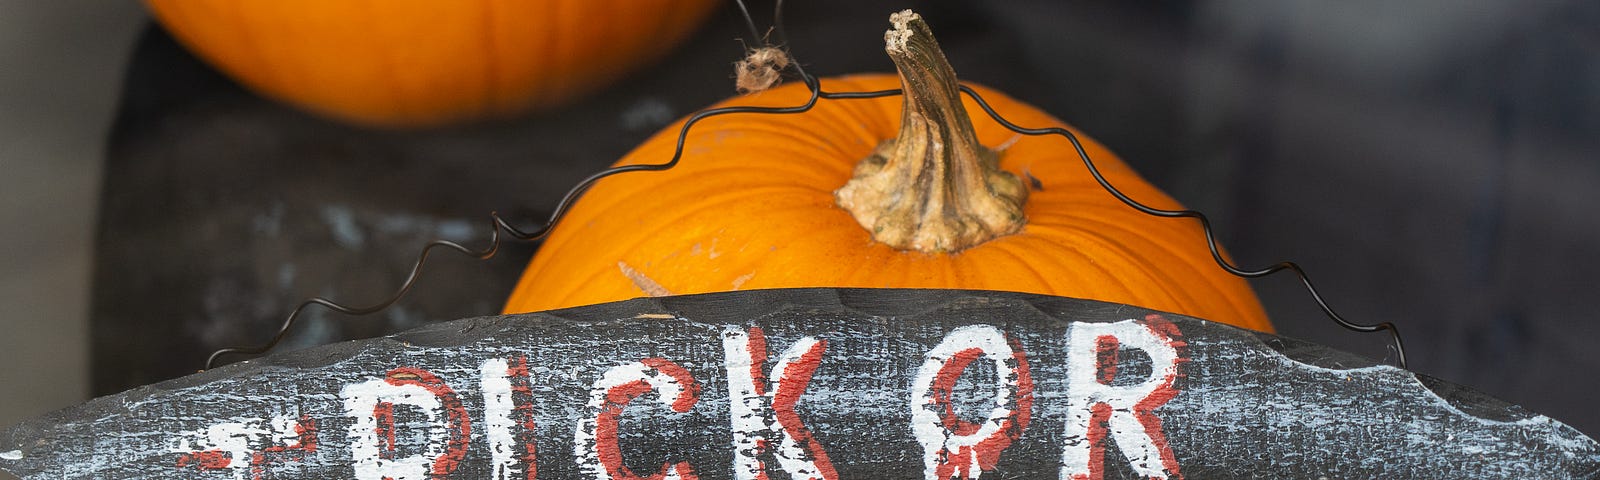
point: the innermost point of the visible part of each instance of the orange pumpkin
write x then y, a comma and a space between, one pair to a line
760, 201
422, 62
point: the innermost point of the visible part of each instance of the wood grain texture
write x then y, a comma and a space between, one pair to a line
840, 390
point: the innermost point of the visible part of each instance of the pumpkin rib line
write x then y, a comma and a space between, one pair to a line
1007, 249
793, 136
754, 261
831, 114
700, 203
771, 169
867, 248
1171, 243
797, 160
1161, 274
619, 253
566, 290
1112, 283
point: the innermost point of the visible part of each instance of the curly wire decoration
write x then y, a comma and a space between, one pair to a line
499, 224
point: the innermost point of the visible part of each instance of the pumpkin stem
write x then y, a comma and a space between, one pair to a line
933, 188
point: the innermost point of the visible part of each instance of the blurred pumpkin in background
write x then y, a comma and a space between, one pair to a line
422, 62
894, 192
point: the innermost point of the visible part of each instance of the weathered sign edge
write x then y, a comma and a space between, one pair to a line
867, 301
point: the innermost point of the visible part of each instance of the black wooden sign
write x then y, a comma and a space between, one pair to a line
811, 383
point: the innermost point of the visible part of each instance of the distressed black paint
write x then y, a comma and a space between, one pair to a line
1247, 404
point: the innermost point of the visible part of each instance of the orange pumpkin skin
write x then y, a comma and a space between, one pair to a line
751, 206
419, 62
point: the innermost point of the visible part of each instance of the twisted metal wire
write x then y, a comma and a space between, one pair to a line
499, 225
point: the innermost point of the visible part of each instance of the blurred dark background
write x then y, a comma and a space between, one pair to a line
1431, 163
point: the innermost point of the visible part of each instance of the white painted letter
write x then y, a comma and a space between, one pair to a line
763, 413
953, 448
508, 419
373, 438
1098, 411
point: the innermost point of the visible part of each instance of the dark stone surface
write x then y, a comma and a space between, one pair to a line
1429, 163
875, 384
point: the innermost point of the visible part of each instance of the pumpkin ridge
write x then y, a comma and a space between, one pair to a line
1073, 283
755, 261
1009, 249
805, 130
1150, 268
1152, 273
703, 202
703, 205
1168, 243
707, 133
816, 159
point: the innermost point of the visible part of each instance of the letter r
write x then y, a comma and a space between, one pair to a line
1099, 411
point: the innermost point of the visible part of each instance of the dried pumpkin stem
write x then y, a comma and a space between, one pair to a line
933, 188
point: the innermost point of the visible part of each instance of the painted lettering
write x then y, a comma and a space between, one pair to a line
373, 438
955, 448
224, 446
247, 448
595, 442
762, 412
291, 440
1099, 411
508, 419
410, 425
